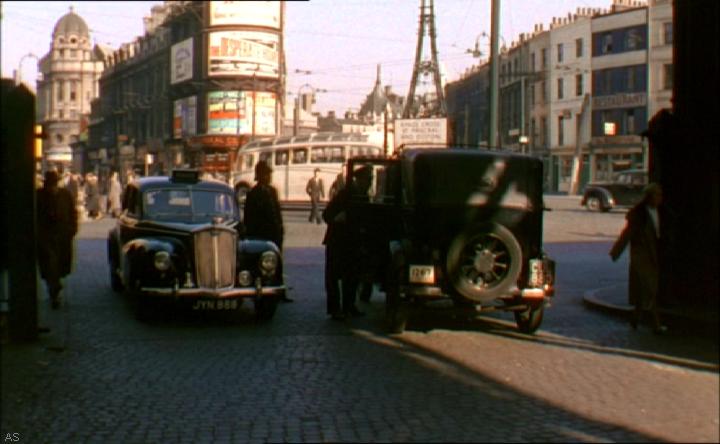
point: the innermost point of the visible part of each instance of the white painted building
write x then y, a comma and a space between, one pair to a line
68, 83
569, 87
660, 69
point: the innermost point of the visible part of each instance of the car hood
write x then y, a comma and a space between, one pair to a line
181, 228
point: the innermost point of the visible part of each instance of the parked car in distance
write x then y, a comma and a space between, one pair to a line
456, 224
177, 240
625, 190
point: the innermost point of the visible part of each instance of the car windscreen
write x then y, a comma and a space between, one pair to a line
188, 206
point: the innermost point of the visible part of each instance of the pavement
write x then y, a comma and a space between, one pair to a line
614, 300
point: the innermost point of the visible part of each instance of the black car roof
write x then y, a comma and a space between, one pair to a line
155, 182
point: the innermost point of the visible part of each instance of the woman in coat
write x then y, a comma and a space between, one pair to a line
642, 232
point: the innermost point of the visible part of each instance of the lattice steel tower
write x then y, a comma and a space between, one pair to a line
437, 107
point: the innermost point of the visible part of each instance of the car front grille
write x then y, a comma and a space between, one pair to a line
215, 257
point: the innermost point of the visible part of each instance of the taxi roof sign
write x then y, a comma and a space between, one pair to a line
185, 176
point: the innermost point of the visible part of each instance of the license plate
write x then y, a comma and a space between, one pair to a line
422, 274
216, 304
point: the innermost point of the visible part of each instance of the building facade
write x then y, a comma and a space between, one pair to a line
66, 87
660, 65
206, 78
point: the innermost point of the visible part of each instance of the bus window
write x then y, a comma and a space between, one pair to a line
317, 155
249, 161
299, 155
239, 162
327, 154
303, 138
266, 157
281, 157
336, 154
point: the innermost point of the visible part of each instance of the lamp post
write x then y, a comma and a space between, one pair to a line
476, 52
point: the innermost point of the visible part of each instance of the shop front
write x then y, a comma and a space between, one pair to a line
612, 154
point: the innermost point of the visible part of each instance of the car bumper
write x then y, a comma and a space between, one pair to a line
214, 293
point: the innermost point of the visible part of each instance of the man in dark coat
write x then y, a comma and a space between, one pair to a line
262, 215
642, 232
316, 190
342, 247
56, 226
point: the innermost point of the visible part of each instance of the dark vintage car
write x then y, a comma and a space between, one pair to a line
625, 190
177, 240
464, 225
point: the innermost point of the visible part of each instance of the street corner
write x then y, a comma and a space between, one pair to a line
610, 299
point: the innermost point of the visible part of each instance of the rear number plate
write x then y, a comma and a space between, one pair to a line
216, 304
422, 274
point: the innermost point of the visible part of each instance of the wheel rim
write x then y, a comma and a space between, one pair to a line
484, 262
593, 203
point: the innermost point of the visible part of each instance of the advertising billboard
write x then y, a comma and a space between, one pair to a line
255, 13
181, 61
185, 117
243, 53
231, 112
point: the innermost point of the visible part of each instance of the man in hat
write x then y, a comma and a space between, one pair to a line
57, 224
262, 215
316, 190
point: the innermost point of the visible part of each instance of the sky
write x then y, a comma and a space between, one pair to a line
340, 42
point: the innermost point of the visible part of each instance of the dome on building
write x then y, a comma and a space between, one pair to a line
71, 23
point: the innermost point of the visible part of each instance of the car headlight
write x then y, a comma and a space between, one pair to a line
245, 278
268, 262
162, 260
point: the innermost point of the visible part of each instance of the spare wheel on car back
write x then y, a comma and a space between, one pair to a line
484, 262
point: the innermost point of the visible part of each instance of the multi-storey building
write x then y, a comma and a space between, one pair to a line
568, 116
468, 107
619, 89
538, 102
205, 78
68, 83
660, 55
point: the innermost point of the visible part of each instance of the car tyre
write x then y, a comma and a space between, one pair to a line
594, 203
528, 321
265, 307
484, 262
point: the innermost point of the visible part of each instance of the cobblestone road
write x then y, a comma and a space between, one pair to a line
101, 376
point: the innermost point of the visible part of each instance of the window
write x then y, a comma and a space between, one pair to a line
532, 62
607, 44
560, 52
543, 57
60, 94
281, 157
73, 53
59, 138
543, 131
532, 95
668, 76
578, 84
578, 48
630, 121
61, 114
631, 79
327, 154
668, 33
561, 131
299, 155
249, 161
633, 39
543, 92
515, 66
560, 88
73, 91
73, 114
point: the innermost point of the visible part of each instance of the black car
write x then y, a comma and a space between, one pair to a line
177, 239
459, 224
625, 190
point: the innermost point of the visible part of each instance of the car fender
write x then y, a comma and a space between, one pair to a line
137, 254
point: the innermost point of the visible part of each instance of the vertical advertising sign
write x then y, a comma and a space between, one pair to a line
185, 117
255, 13
231, 112
243, 53
181, 61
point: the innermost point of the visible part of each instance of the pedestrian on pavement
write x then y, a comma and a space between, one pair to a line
316, 190
56, 227
114, 192
342, 242
262, 215
92, 196
643, 232
73, 186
